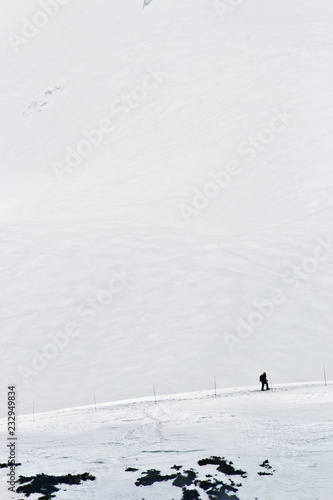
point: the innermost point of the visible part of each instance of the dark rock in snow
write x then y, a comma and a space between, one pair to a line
46, 485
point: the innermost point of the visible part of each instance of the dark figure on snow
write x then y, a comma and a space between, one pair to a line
264, 381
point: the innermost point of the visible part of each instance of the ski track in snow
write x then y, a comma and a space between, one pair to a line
291, 427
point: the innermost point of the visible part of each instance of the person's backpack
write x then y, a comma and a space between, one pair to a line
262, 378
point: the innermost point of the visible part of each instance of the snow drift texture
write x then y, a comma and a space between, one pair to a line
166, 197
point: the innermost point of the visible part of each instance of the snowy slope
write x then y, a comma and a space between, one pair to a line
122, 265
291, 427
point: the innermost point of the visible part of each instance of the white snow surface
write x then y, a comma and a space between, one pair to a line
291, 426
173, 321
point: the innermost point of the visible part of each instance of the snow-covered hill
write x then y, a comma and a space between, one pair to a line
291, 427
166, 197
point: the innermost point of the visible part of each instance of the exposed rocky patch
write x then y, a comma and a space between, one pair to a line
153, 476
223, 466
43, 100
216, 488
268, 469
46, 485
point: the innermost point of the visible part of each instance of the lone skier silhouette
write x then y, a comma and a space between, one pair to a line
264, 381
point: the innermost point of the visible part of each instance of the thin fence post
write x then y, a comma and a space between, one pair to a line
215, 386
270, 382
155, 394
325, 375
